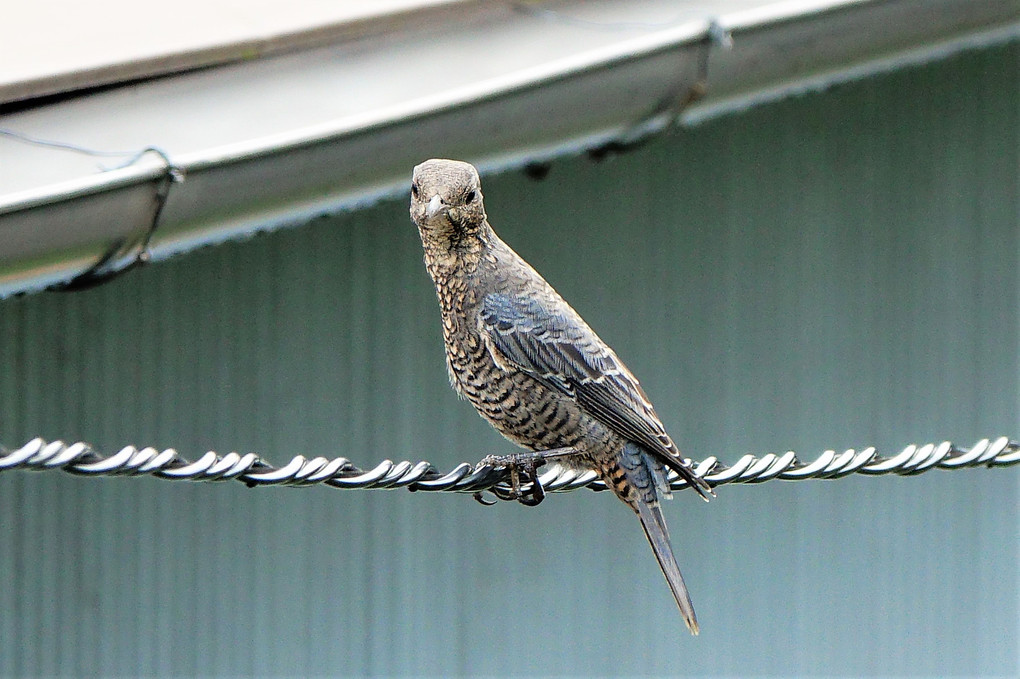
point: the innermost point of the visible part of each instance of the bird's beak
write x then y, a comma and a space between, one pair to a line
434, 207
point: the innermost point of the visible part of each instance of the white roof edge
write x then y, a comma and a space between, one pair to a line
339, 22
776, 12
59, 229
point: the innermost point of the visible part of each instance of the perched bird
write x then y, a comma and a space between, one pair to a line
533, 368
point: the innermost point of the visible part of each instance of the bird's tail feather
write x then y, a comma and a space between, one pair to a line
658, 537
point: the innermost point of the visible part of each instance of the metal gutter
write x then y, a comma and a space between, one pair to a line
521, 87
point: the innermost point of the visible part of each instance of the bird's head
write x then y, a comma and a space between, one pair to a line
446, 200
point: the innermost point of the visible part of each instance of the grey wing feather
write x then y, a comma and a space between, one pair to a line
558, 347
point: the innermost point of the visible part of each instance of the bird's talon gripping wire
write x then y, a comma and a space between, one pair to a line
537, 493
525, 486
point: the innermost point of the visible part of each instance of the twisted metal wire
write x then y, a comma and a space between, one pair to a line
82, 459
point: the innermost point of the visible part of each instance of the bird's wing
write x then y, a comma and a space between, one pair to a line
558, 348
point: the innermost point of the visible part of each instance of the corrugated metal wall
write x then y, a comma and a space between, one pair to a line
834, 270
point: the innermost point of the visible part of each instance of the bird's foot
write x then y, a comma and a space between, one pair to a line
524, 484
522, 467
530, 493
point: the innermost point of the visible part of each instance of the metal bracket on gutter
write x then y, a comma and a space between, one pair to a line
128, 253
670, 108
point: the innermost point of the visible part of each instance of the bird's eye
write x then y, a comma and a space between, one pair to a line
470, 196
414, 190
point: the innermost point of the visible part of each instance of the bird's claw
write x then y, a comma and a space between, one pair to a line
525, 486
537, 493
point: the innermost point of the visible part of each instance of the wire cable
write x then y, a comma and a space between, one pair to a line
339, 472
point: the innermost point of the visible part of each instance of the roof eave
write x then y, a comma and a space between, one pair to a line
55, 232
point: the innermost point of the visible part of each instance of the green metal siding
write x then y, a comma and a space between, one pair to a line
834, 270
